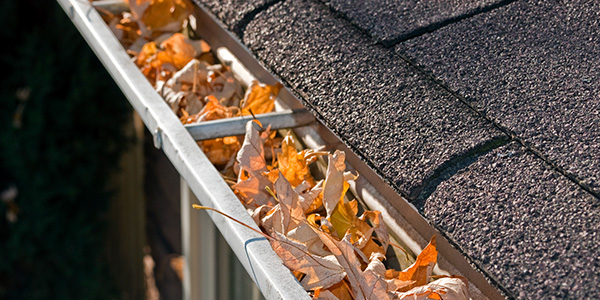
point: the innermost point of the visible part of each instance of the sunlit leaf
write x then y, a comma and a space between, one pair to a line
447, 288
252, 178
177, 50
366, 284
260, 98
421, 270
320, 272
295, 165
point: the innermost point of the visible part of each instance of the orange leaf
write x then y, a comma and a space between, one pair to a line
221, 150
160, 15
166, 15
420, 271
177, 51
293, 164
260, 98
340, 291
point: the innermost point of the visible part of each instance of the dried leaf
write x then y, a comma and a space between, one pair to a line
294, 164
420, 271
220, 151
179, 90
335, 185
178, 51
125, 29
160, 15
252, 178
213, 110
340, 291
365, 285
310, 197
320, 272
447, 288
260, 98
288, 213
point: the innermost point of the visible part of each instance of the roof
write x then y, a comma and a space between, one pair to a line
485, 114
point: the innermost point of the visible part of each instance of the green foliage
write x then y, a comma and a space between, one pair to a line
58, 153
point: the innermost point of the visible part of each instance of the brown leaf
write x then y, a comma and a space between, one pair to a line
335, 185
310, 197
365, 285
179, 90
288, 213
321, 272
340, 291
447, 288
252, 178
125, 29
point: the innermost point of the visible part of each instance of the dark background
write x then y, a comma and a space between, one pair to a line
60, 137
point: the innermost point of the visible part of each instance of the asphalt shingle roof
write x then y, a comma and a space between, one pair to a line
532, 67
489, 123
526, 224
393, 20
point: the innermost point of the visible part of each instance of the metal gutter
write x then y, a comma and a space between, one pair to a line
254, 252
237, 126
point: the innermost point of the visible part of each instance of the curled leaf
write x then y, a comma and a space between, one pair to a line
252, 178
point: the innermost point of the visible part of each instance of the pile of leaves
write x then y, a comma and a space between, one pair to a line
334, 252
183, 71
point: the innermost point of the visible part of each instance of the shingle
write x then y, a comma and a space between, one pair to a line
391, 20
532, 67
232, 12
523, 222
404, 126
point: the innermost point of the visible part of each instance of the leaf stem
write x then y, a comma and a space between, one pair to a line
196, 206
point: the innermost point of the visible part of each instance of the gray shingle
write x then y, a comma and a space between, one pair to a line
532, 67
404, 125
392, 20
523, 222
232, 12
